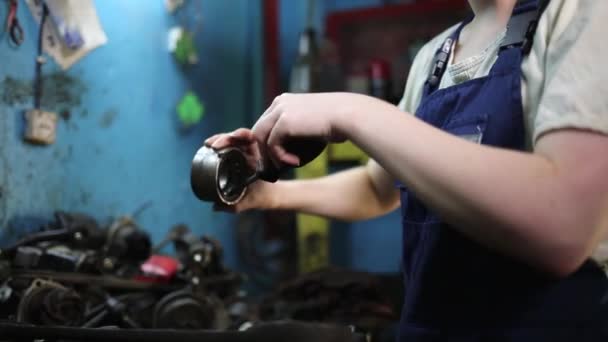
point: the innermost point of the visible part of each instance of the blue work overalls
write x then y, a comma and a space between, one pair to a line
459, 290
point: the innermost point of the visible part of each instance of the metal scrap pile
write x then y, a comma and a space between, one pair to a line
75, 273
76, 281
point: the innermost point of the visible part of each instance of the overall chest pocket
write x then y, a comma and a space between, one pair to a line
471, 127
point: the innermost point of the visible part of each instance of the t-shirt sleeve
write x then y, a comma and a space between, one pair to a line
571, 74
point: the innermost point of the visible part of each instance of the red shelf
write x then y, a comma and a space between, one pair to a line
390, 32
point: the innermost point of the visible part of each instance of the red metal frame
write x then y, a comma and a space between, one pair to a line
271, 50
339, 19
393, 28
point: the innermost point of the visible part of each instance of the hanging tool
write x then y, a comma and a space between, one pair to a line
40, 125
13, 27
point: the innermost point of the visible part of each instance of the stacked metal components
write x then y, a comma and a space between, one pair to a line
75, 273
76, 281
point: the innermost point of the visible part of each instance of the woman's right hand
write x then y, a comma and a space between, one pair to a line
243, 139
260, 194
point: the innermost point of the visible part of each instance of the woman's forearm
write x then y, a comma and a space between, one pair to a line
519, 203
349, 195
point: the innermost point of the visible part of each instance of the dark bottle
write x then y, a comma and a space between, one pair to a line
304, 79
305, 71
380, 84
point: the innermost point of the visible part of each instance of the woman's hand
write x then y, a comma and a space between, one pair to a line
305, 116
260, 194
243, 139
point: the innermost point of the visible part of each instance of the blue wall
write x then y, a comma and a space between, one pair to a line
373, 245
121, 146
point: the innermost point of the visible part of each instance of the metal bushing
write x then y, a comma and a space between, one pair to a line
219, 176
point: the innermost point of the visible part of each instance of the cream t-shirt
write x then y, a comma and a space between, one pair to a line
564, 78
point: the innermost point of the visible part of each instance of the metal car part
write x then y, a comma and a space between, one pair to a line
49, 303
220, 176
27, 257
126, 241
183, 311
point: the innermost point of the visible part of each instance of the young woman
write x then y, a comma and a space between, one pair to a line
502, 173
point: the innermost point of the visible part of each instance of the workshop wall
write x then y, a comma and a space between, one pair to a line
373, 245
119, 145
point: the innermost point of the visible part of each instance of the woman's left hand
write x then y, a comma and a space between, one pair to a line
316, 115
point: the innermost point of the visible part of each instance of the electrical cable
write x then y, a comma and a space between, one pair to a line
40, 58
13, 27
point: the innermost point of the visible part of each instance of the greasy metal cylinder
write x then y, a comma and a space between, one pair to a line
219, 176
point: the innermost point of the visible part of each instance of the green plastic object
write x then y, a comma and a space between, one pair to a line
185, 49
190, 110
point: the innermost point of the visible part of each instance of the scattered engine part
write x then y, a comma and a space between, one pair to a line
54, 257
32, 239
217, 284
140, 307
175, 233
49, 303
186, 245
183, 310
159, 269
201, 258
200, 255
64, 259
78, 229
126, 241
5, 270
86, 233
5, 293
112, 311
27, 257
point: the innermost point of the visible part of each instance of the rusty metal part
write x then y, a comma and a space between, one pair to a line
119, 283
220, 176
49, 303
184, 310
127, 242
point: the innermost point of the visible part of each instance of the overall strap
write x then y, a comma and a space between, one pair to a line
520, 35
523, 24
442, 56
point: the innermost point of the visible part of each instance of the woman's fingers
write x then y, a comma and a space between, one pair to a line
275, 143
240, 137
209, 141
243, 134
265, 124
283, 157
